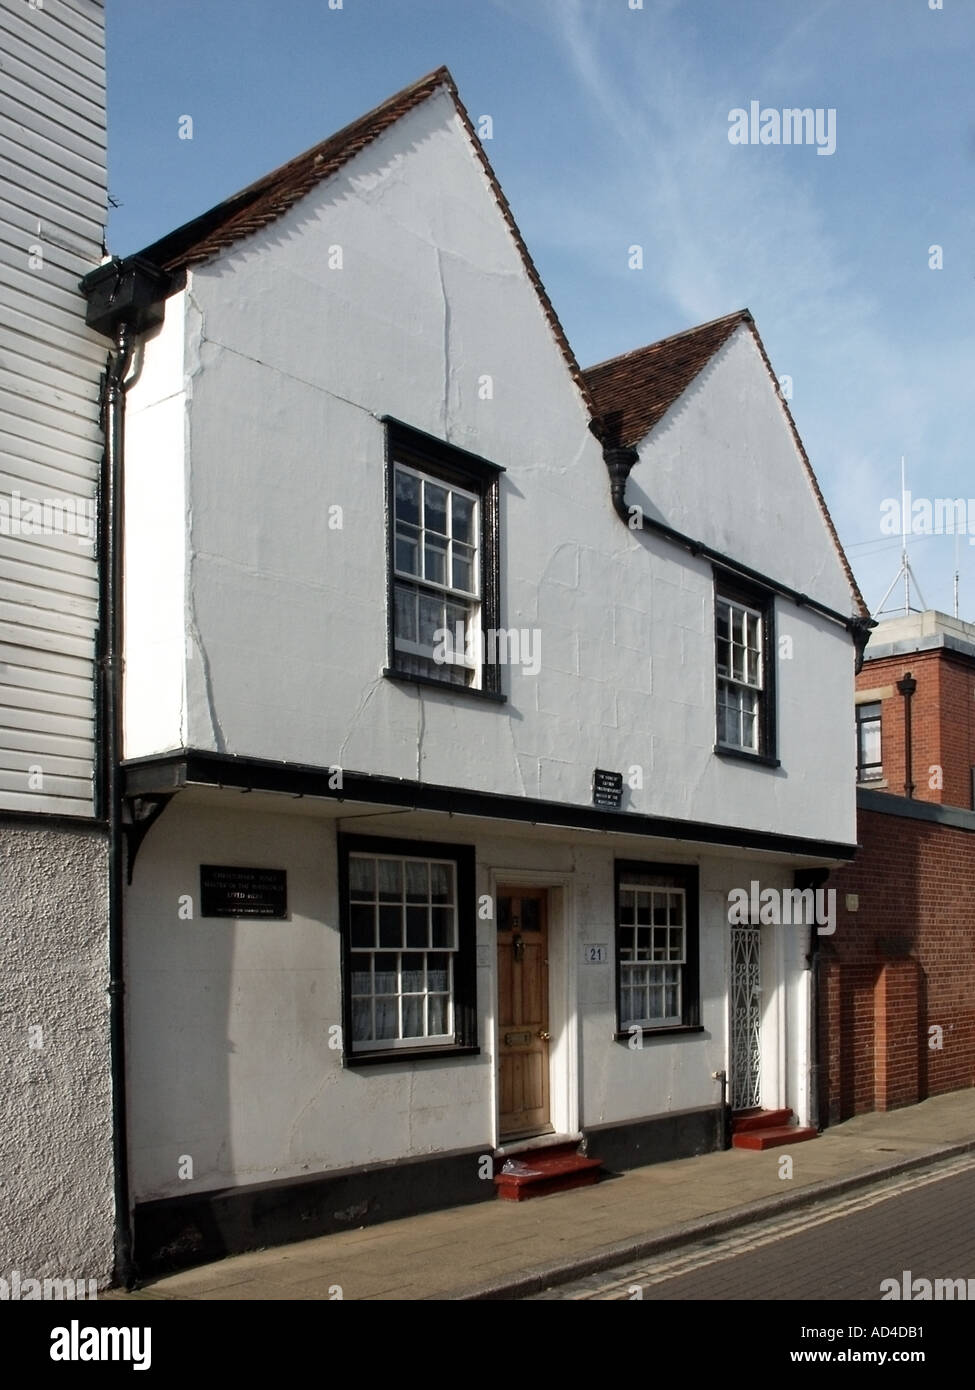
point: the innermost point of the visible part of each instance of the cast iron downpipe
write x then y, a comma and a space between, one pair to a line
907, 687
125, 297
619, 462
111, 551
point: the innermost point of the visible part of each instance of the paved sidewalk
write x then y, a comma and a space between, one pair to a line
507, 1249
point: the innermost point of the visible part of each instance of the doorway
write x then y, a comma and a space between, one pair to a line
524, 1082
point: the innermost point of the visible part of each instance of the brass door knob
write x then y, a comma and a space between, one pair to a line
543, 1035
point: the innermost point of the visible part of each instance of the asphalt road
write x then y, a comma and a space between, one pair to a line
923, 1222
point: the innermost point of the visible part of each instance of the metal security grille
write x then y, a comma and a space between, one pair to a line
746, 1045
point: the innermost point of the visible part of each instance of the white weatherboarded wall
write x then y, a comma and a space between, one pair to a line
289, 365
52, 213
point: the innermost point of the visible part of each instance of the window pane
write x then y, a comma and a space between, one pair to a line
413, 1016
442, 883
407, 551
387, 974
431, 618
405, 613
463, 568
443, 926
413, 973
437, 1014
363, 924
407, 498
391, 926
417, 926
390, 880
362, 1020
435, 560
362, 878
438, 973
387, 1018
462, 517
435, 507
417, 882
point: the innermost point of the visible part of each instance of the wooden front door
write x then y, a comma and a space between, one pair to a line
523, 1011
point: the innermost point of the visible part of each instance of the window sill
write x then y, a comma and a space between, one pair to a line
492, 696
760, 759
412, 1054
665, 1031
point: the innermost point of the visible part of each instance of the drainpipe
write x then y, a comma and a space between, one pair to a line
125, 297
111, 681
907, 687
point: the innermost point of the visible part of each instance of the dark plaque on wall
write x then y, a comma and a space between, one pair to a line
228, 891
607, 788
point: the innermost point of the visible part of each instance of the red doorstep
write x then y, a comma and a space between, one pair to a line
767, 1129
538, 1172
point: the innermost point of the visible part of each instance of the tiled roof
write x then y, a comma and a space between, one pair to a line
633, 392
262, 202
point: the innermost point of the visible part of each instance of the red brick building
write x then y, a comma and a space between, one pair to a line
897, 978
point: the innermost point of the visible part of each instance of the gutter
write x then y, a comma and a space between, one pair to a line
123, 300
620, 460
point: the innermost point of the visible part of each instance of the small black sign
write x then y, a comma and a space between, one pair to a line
607, 788
227, 891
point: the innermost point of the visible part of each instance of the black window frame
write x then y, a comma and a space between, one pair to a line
688, 877
860, 721
458, 468
732, 589
465, 1042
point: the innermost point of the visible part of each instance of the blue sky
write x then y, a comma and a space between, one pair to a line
610, 129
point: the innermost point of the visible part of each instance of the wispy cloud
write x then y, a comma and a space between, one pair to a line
725, 226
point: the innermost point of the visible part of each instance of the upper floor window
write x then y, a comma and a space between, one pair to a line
744, 693
869, 761
443, 573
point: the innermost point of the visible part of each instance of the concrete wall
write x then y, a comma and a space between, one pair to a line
56, 1195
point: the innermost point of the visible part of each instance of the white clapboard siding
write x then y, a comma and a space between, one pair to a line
52, 213
46, 629
54, 746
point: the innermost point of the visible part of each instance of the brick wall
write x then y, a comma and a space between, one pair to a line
943, 723
905, 961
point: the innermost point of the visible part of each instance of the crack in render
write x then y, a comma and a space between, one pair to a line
446, 345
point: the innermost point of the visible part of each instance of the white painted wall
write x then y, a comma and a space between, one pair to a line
294, 363
228, 1022
158, 626
751, 497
